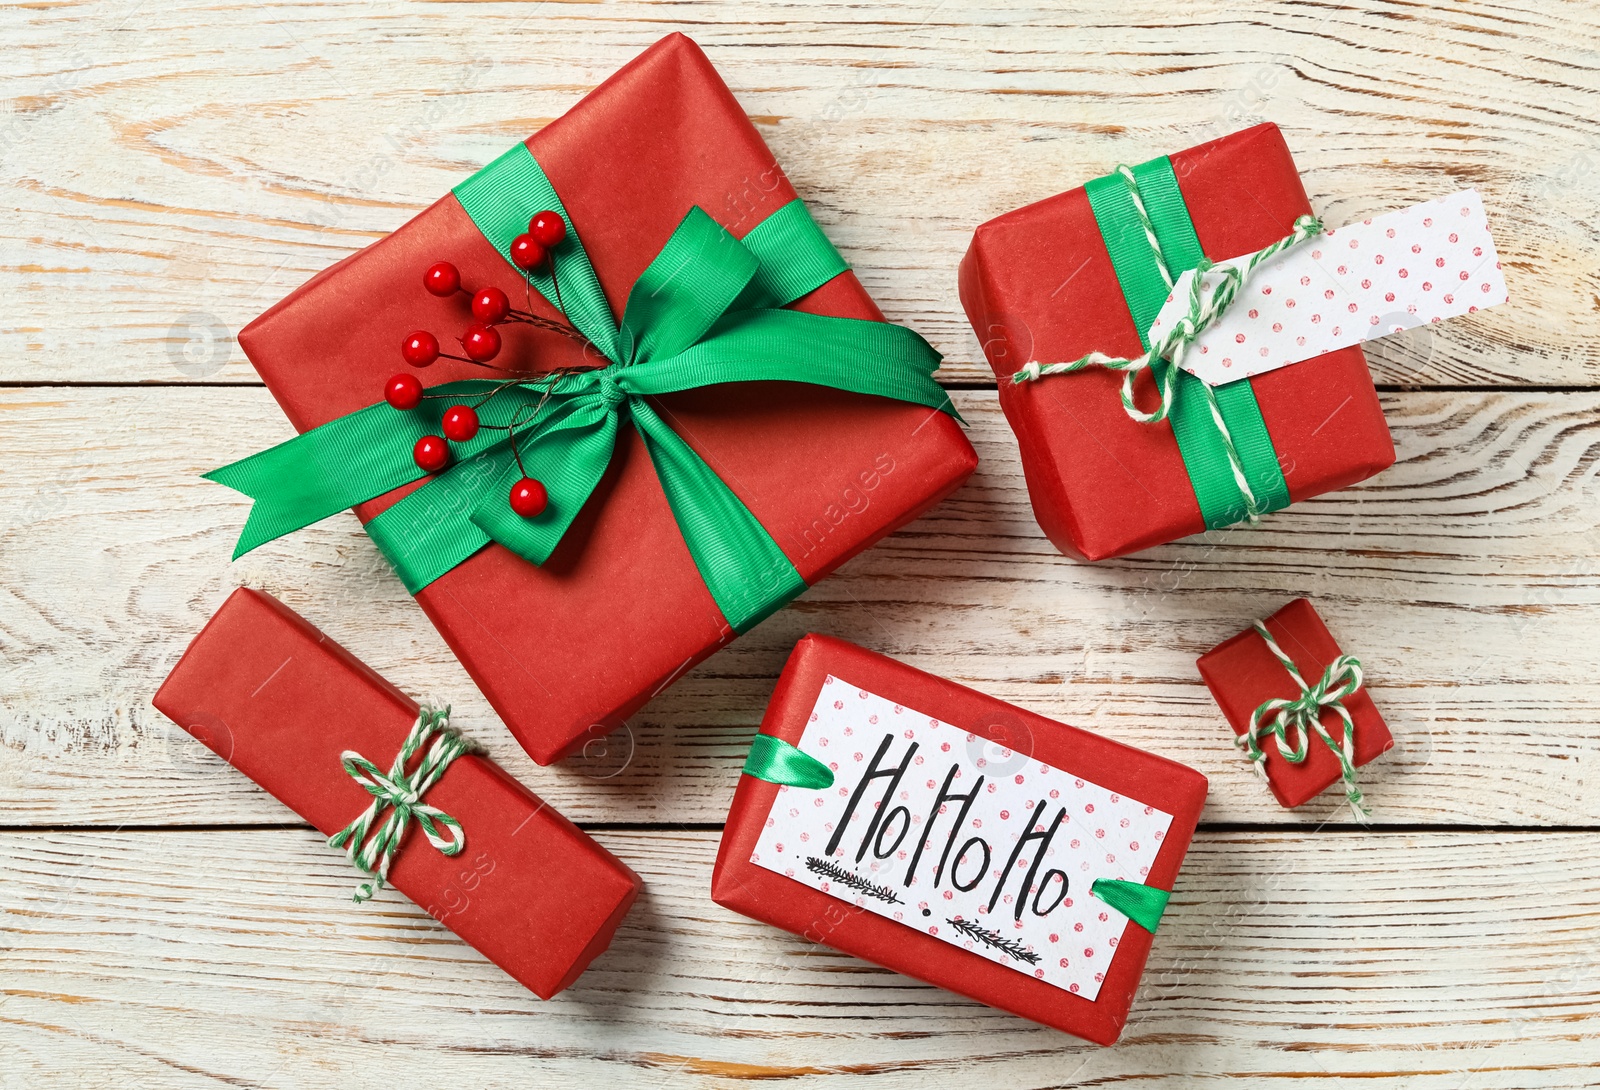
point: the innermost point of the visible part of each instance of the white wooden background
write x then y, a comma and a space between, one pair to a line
171, 167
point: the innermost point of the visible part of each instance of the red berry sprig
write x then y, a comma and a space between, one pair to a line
481, 343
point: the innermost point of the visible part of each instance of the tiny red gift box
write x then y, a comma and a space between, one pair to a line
1243, 673
1038, 285
742, 885
567, 650
278, 700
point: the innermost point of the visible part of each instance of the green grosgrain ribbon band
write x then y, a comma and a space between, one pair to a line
1142, 904
1138, 267
776, 761
704, 312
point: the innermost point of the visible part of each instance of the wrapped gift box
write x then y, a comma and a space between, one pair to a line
1019, 819
1243, 673
567, 651
1039, 285
278, 700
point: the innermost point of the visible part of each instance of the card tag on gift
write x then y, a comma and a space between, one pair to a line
950, 833
1365, 280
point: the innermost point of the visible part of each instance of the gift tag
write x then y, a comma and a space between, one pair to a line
953, 834
1383, 275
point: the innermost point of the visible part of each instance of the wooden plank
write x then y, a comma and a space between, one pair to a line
1436, 961
1465, 578
173, 169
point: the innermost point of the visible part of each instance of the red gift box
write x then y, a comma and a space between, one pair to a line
1038, 285
1243, 673
278, 700
568, 650
827, 862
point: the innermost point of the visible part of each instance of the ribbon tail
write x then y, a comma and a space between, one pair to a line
776, 761
324, 471
748, 576
1142, 904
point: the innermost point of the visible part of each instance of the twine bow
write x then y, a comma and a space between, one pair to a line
1287, 721
1164, 357
397, 797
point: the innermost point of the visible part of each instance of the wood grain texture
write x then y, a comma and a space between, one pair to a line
173, 169
1465, 578
1437, 961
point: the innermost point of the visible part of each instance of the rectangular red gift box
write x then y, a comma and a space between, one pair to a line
567, 651
278, 700
1038, 285
1243, 673
874, 714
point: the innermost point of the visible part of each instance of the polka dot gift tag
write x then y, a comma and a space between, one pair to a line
1383, 275
964, 839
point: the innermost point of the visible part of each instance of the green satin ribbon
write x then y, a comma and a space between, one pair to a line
1145, 290
704, 312
1142, 904
776, 761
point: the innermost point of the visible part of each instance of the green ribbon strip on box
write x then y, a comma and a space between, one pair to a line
705, 311
1142, 904
776, 761
1138, 270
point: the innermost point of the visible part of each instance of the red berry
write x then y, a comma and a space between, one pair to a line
490, 306
528, 497
420, 349
403, 391
526, 253
481, 343
432, 453
460, 423
548, 229
442, 278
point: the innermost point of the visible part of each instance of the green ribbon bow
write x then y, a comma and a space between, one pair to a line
706, 311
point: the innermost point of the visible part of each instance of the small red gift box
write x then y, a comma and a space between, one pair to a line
1039, 285
567, 650
955, 838
278, 700
1243, 673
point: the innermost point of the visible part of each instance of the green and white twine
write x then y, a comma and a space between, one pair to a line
1165, 356
1284, 720
370, 844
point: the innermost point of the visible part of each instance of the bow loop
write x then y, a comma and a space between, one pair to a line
371, 840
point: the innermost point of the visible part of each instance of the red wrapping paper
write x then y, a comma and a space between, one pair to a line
749, 889
1243, 673
567, 651
278, 700
1038, 284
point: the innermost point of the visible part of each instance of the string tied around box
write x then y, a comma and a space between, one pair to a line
1164, 356
1291, 722
371, 840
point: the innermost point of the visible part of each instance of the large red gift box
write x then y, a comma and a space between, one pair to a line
1038, 285
1043, 811
568, 650
1243, 673
281, 702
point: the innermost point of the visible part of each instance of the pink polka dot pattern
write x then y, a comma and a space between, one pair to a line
1000, 845
1366, 280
